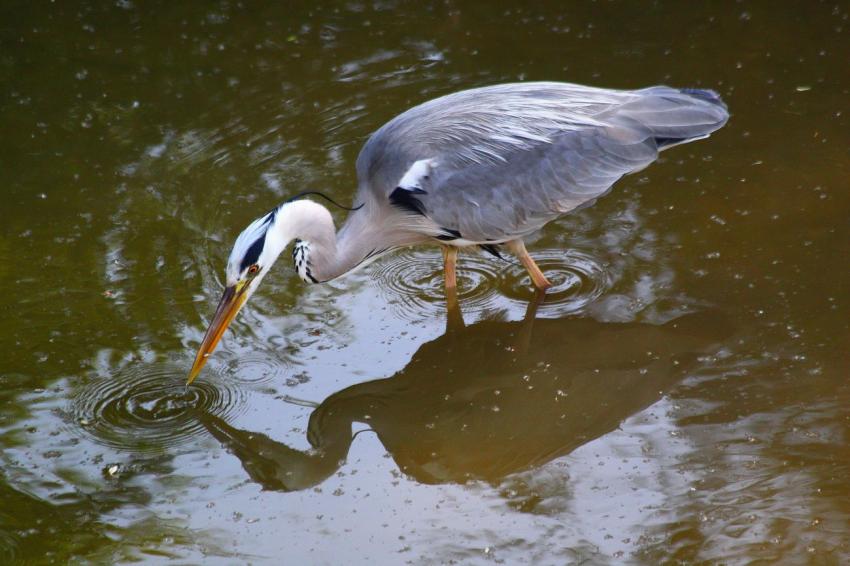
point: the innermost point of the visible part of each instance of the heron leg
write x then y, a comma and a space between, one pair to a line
454, 318
450, 260
517, 247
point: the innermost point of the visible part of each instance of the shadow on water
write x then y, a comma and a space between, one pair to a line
487, 400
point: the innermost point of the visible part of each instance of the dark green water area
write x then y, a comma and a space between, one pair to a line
682, 394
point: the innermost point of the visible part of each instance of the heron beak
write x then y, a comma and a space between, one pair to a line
231, 301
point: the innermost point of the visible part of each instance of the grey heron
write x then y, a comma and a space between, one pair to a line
482, 167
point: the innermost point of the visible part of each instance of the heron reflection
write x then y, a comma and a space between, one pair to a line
485, 400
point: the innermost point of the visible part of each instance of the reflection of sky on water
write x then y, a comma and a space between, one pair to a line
131, 164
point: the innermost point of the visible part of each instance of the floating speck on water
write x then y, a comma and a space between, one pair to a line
113, 469
803, 88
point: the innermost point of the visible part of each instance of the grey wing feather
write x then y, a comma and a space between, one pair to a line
502, 202
507, 159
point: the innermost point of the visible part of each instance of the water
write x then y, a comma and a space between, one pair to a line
679, 396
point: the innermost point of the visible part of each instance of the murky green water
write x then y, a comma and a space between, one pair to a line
344, 423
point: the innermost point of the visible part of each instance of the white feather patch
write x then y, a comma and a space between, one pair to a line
418, 172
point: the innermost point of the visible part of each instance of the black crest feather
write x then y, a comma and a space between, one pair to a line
324, 196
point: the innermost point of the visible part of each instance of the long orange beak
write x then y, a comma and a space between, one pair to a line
231, 301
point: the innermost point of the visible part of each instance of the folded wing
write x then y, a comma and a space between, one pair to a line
496, 163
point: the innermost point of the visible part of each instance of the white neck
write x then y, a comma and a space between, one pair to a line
321, 258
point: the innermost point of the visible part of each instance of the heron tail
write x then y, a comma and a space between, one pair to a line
704, 94
674, 116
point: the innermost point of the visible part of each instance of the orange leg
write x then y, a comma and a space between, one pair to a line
455, 318
450, 259
517, 247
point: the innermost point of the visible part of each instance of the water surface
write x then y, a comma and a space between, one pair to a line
680, 395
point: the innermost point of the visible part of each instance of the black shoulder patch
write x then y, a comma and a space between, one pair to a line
405, 199
253, 253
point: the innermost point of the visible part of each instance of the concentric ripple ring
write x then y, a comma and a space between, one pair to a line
146, 407
412, 280
577, 278
255, 368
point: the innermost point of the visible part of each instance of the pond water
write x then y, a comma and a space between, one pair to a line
680, 395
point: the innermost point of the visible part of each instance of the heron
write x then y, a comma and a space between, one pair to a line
482, 167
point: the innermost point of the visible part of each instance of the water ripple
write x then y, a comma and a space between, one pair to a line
8, 548
147, 407
257, 367
577, 278
412, 280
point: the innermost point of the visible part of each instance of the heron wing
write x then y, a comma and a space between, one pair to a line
497, 162
499, 202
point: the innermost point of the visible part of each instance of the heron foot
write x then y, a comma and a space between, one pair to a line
517, 247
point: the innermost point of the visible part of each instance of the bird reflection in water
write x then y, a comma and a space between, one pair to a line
484, 401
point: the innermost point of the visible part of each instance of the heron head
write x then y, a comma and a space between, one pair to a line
255, 251
253, 254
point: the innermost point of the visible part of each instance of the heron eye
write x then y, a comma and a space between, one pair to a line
254, 269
